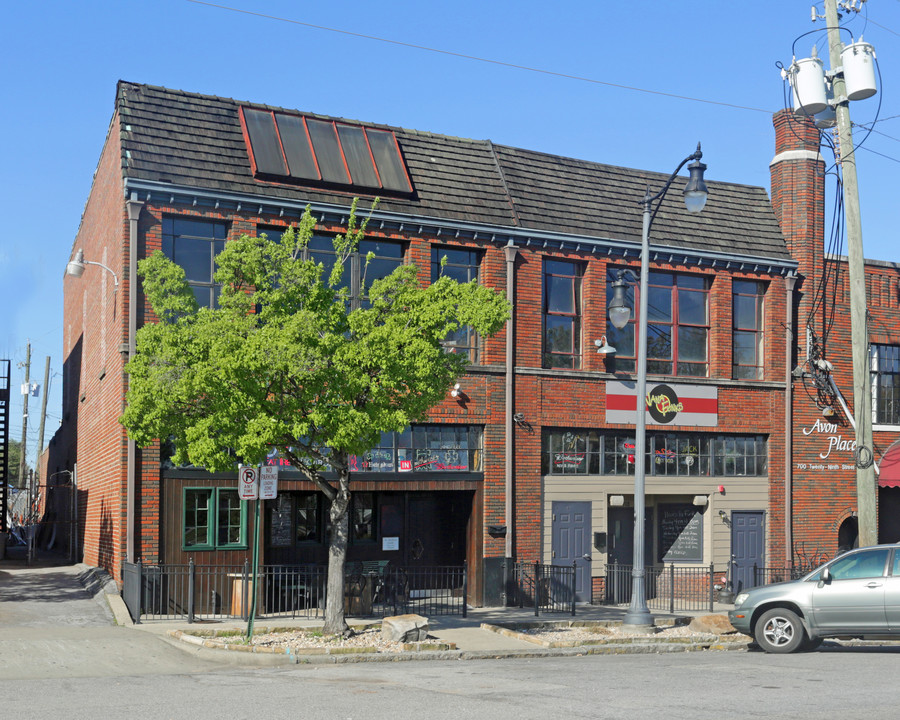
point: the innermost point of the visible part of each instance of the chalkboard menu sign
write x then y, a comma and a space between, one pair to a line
280, 527
680, 533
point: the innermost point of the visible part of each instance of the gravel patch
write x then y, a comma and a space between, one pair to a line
300, 640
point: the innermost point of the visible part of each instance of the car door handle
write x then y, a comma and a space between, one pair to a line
874, 585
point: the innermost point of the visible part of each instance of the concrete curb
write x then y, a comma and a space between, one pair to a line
619, 646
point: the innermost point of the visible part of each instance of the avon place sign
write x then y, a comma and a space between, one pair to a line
833, 445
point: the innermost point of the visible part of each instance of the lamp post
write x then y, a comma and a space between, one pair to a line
695, 193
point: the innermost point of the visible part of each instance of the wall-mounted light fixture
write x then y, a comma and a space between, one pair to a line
617, 500
603, 347
455, 392
75, 267
701, 500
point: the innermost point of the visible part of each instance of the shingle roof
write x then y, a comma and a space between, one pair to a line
194, 140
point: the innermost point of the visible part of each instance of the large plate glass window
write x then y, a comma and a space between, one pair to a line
569, 451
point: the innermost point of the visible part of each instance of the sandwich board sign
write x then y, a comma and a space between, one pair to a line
248, 482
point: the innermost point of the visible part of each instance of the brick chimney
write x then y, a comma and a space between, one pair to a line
798, 190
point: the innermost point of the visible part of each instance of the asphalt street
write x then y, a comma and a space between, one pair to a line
62, 656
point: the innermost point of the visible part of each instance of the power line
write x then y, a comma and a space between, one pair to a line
479, 59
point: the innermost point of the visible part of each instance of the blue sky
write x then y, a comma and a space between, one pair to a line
62, 60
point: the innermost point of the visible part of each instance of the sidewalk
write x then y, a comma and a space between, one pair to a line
471, 636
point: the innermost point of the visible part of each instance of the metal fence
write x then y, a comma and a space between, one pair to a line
770, 575
192, 592
667, 588
547, 588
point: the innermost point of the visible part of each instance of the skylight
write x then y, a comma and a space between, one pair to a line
304, 148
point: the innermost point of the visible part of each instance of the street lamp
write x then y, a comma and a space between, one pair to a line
695, 193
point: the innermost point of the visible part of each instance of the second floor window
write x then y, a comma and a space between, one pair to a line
194, 244
677, 326
462, 266
747, 329
562, 314
884, 371
358, 273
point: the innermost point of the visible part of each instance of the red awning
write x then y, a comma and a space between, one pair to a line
889, 467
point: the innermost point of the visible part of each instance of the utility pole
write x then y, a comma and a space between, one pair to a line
27, 387
40, 452
862, 398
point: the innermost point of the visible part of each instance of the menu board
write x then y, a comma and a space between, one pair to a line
280, 528
680, 533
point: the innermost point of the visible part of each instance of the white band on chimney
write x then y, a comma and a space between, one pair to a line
797, 155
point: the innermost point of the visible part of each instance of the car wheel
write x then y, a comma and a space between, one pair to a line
779, 631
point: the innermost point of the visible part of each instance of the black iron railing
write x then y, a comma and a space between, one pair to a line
192, 592
547, 588
667, 588
771, 575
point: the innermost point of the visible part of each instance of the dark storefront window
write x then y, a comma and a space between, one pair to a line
193, 245
677, 325
562, 314
424, 448
462, 266
884, 369
590, 452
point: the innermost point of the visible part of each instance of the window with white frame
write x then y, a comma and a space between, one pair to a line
884, 371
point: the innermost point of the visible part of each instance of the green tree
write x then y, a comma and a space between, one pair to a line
285, 361
12, 467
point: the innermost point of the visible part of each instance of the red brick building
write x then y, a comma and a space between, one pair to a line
549, 435
820, 484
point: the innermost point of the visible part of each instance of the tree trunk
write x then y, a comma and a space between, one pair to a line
337, 555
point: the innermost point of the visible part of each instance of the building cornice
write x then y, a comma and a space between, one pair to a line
447, 229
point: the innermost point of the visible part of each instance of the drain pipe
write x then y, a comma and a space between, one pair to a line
134, 212
510, 251
789, 282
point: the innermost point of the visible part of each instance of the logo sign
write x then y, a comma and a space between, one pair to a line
666, 404
268, 482
248, 482
663, 405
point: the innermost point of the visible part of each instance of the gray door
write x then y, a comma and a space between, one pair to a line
747, 545
620, 524
571, 533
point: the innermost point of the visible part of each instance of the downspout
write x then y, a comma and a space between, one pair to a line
510, 252
134, 212
789, 282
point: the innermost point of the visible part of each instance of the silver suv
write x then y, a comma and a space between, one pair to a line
856, 594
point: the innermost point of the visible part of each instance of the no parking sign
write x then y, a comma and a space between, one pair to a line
248, 482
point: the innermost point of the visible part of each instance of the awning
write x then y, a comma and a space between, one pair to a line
890, 468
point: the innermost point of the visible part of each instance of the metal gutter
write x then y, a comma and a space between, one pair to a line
134, 212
